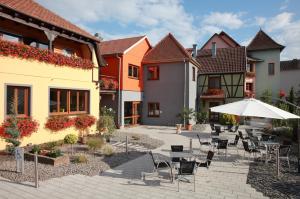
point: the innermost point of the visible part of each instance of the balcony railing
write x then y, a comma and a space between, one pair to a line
23, 51
250, 74
249, 94
213, 93
108, 82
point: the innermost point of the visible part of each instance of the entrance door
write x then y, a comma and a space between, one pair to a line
132, 113
213, 117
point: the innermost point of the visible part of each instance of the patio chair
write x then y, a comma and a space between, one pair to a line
236, 128
284, 152
248, 149
218, 129
212, 126
201, 142
176, 148
235, 143
209, 158
241, 135
187, 168
158, 164
222, 144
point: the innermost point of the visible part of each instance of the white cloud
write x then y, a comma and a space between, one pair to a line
153, 17
284, 5
260, 21
286, 31
224, 20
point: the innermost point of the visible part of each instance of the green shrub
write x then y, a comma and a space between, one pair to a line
107, 123
108, 150
50, 146
81, 158
227, 119
71, 139
55, 153
36, 149
95, 143
201, 117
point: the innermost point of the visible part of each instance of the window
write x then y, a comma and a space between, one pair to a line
214, 82
63, 101
214, 49
18, 97
10, 37
153, 110
153, 73
67, 52
250, 67
194, 74
39, 45
271, 68
249, 86
133, 71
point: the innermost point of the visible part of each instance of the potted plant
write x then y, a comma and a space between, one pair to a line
106, 123
186, 115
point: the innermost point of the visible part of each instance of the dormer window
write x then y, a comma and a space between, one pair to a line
213, 49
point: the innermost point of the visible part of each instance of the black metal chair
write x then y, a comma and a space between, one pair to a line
159, 164
249, 149
235, 143
236, 128
209, 158
284, 152
176, 148
222, 144
242, 136
212, 126
201, 142
187, 168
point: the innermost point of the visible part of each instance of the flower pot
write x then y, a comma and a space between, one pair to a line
188, 127
178, 128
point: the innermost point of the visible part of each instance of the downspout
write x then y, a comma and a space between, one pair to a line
119, 90
184, 89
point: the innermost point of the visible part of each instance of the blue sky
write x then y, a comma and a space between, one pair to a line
191, 21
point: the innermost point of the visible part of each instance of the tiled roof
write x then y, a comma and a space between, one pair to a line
35, 10
227, 60
168, 50
262, 41
290, 65
118, 46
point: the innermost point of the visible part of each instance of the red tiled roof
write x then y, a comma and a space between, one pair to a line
227, 60
262, 41
290, 65
35, 10
118, 46
168, 50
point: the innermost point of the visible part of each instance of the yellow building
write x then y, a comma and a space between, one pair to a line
48, 67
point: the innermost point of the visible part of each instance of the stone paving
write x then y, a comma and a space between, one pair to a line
226, 177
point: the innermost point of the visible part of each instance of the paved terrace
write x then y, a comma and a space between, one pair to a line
226, 178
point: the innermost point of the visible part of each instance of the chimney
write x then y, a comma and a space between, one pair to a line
194, 50
213, 49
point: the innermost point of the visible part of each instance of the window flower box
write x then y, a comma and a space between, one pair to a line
28, 52
214, 91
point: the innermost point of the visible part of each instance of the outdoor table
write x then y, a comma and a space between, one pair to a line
269, 145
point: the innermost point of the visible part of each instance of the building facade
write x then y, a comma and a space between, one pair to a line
47, 68
170, 74
289, 75
124, 66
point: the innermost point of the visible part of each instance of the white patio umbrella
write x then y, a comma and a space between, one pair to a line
254, 108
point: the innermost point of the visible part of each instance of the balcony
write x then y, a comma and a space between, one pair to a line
108, 83
12, 49
250, 74
213, 94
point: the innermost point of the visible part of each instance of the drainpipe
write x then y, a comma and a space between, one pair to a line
184, 89
119, 90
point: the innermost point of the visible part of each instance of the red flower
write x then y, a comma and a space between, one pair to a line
57, 123
26, 127
82, 122
281, 93
28, 52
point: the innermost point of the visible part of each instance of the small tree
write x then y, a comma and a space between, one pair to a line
71, 139
291, 99
266, 96
186, 115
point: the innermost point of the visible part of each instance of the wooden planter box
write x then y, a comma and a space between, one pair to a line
59, 161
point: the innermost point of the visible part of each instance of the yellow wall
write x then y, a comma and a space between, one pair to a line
40, 77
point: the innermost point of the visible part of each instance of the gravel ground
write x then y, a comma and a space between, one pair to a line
96, 163
263, 178
143, 140
199, 127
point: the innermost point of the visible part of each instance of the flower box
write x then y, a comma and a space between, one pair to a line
28, 52
214, 92
56, 162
